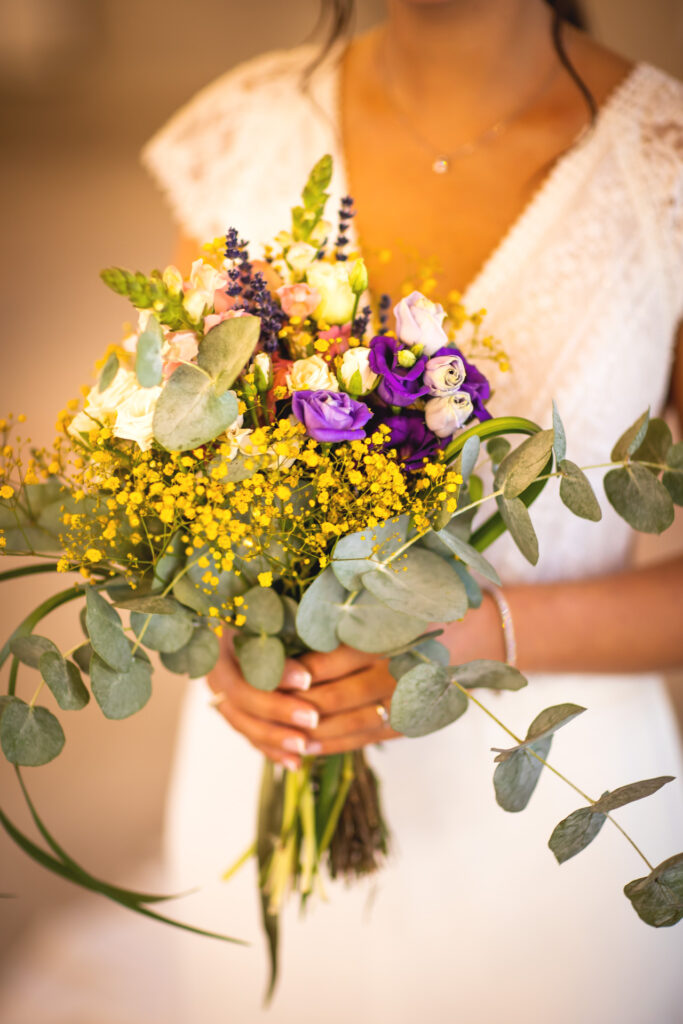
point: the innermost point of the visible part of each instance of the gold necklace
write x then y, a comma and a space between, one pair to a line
442, 159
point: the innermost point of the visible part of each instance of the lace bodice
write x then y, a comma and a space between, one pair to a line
585, 290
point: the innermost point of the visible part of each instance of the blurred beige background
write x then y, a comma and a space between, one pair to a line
83, 83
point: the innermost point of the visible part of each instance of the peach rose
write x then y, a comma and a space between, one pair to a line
299, 299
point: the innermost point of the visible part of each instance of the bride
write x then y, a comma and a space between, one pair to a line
543, 176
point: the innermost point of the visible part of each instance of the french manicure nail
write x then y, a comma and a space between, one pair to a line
313, 747
299, 678
291, 764
297, 744
308, 718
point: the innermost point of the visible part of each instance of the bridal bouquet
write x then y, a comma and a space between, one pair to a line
266, 453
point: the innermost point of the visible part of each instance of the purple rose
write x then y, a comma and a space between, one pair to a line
399, 385
409, 435
330, 415
476, 385
419, 322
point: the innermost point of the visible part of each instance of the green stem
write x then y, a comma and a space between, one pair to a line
26, 570
339, 801
26, 627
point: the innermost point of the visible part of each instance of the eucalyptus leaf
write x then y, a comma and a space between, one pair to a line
655, 446
319, 612
516, 517
469, 455
474, 592
64, 681
559, 436
515, 778
423, 584
192, 596
520, 467
360, 552
658, 897
30, 649
673, 478
152, 604
553, 718
263, 610
30, 736
227, 348
190, 411
109, 371
369, 625
497, 448
469, 555
82, 656
106, 632
425, 700
639, 498
148, 366
197, 657
171, 561
165, 633
631, 439
575, 832
402, 663
262, 660
577, 493
627, 794
120, 694
492, 675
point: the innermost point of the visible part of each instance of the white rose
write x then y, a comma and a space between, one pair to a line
355, 374
446, 415
100, 406
331, 280
311, 374
300, 256
134, 417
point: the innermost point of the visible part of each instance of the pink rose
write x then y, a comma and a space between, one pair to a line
178, 348
299, 299
217, 318
339, 338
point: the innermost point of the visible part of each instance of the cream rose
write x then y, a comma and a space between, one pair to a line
311, 374
338, 299
355, 375
101, 406
135, 416
300, 256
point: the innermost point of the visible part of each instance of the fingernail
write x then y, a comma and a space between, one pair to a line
297, 744
298, 677
291, 764
306, 717
312, 747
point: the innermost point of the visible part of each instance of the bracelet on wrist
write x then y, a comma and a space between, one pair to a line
507, 625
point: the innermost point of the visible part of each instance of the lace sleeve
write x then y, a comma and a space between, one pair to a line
217, 154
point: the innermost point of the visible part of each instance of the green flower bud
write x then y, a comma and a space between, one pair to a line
406, 358
358, 277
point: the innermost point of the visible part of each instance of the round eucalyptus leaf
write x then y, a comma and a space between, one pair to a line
421, 583
553, 718
227, 348
29, 736
640, 498
190, 412
469, 555
520, 467
172, 560
425, 700
227, 586
516, 517
151, 604
575, 832
319, 611
673, 478
64, 681
491, 675
361, 552
658, 897
655, 446
106, 632
30, 649
576, 492
497, 448
631, 439
469, 455
197, 657
515, 778
192, 596
402, 663
263, 610
262, 660
120, 694
474, 592
82, 656
165, 633
370, 625
148, 364
109, 371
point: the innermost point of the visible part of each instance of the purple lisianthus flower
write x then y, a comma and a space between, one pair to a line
476, 385
330, 415
399, 385
409, 435
419, 321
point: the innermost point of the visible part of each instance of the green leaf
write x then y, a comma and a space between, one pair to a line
30, 649
422, 582
402, 663
655, 446
82, 656
319, 611
151, 604
515, 515
109, 371
575, 832
64, 681
227, 348
171, 561
262, 660
148, 355
577, 493
369, 625
120, 694
559, 436
658, 897
639, 498
469, 555
30, 736
425, 700
106, 632
631, 439
360, 552
264, 611
165, 633
197, 657
520, 467
553, 718
472, 588
515, 778
492, 675
497, 448
469, 455
190, 411
627, 794
673, 481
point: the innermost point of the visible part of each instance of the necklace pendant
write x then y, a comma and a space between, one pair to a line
441, 165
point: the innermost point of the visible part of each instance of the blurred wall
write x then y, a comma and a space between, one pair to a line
82, 84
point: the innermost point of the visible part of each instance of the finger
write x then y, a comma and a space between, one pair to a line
227, 682
343, 661
340, 744
371, 718
264, 734
371, 686
289, 761
295, 676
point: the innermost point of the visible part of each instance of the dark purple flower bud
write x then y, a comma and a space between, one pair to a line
330, 415
400, 371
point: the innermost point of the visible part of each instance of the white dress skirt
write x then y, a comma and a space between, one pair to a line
472, 919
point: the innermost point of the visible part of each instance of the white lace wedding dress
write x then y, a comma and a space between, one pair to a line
472, 920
